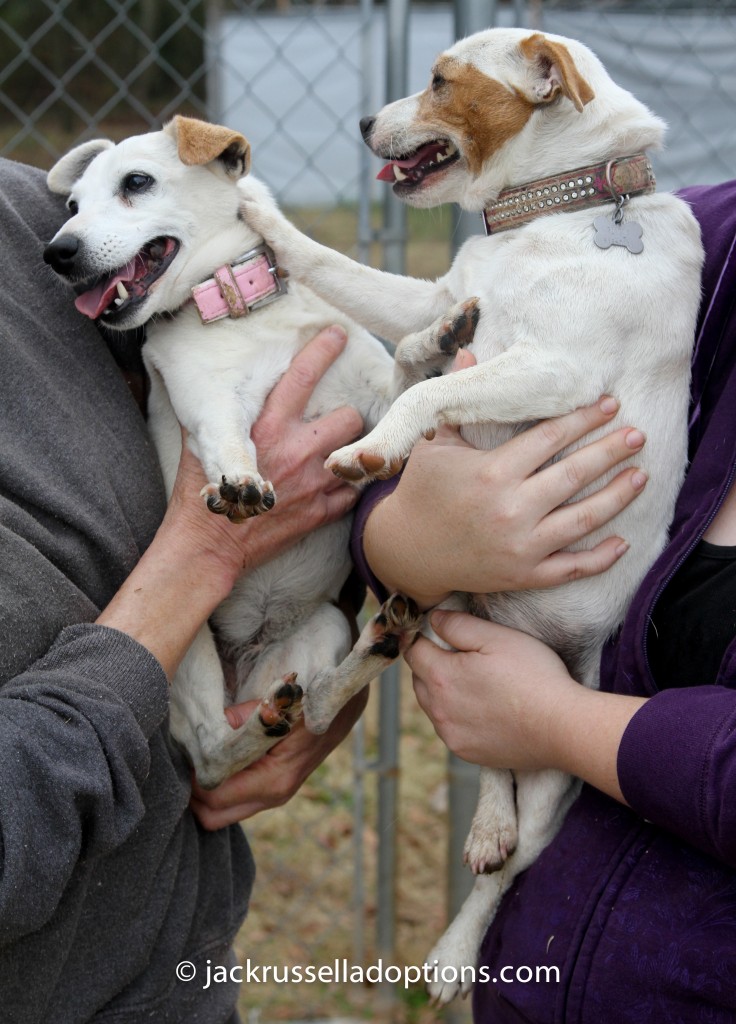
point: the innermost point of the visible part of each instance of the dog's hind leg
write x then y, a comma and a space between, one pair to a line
519, 385
198, 701
381, 641
493, 833
199, 723
543, 799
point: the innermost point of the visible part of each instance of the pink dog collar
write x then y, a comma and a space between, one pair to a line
237, 288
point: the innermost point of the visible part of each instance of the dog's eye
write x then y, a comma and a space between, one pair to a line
137, 182
73, 207
437, 81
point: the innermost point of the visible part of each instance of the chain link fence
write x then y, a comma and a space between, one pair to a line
353, 868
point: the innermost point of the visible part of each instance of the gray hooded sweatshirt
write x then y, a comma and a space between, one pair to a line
106, 880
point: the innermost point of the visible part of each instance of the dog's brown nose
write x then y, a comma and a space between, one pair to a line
61, 254
366, 127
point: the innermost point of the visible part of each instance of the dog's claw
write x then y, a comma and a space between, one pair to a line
278, 712
459, 329
239, 499
395, 627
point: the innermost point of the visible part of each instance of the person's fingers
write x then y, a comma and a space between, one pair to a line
564, 479
572, 522
238, 714
426, 659
337, 428
212, 819
530, 449
463, 360
339, 502
292, 393
464, 632
566, 566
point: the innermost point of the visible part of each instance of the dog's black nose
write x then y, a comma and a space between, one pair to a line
366, 127
61, 254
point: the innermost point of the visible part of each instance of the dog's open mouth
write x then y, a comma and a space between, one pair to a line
115, 294
411, 170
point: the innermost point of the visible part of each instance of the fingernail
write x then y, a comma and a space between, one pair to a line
622, 548
608, 405
635, 439
638, 480
338, 333
437, 618
233, 718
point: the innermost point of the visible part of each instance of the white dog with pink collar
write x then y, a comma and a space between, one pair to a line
156, 228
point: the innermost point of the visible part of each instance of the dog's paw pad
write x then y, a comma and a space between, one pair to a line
458, 330
394, 628
360, 465
279, 711
240, 499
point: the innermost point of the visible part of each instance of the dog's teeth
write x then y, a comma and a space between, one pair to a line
119, 301
122, 292
399, 174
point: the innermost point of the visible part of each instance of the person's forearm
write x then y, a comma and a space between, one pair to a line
582, 735
395, 559
169, 595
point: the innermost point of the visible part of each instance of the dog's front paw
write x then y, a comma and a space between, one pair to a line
429, 353
488, 849
280, 235
360, 463
240, 499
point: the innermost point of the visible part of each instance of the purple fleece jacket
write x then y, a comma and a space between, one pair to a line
635, 910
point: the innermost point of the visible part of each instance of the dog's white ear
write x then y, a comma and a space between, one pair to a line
199, 143
63, 175
553, 71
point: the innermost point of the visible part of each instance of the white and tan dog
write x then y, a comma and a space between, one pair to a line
152, 220
588, 283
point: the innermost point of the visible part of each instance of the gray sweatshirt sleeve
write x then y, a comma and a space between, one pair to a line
74, 754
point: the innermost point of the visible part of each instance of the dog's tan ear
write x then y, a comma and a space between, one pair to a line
554, 72
199, 143
67, 171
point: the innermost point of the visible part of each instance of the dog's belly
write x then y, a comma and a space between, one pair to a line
272, 600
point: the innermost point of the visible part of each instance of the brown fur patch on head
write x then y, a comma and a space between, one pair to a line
478, 111
555, 64
199, 143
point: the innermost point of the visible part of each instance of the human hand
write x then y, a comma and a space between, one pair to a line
291, 454
275, 778
490, 521
196, 557
518, 707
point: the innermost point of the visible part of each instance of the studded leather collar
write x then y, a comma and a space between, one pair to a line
574, 190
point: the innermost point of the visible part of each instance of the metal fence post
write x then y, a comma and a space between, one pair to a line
388, 790
397, 85
394, 249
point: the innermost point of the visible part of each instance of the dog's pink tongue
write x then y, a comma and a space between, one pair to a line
387, 174
97, 299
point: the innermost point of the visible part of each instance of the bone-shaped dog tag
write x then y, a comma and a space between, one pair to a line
608, 232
